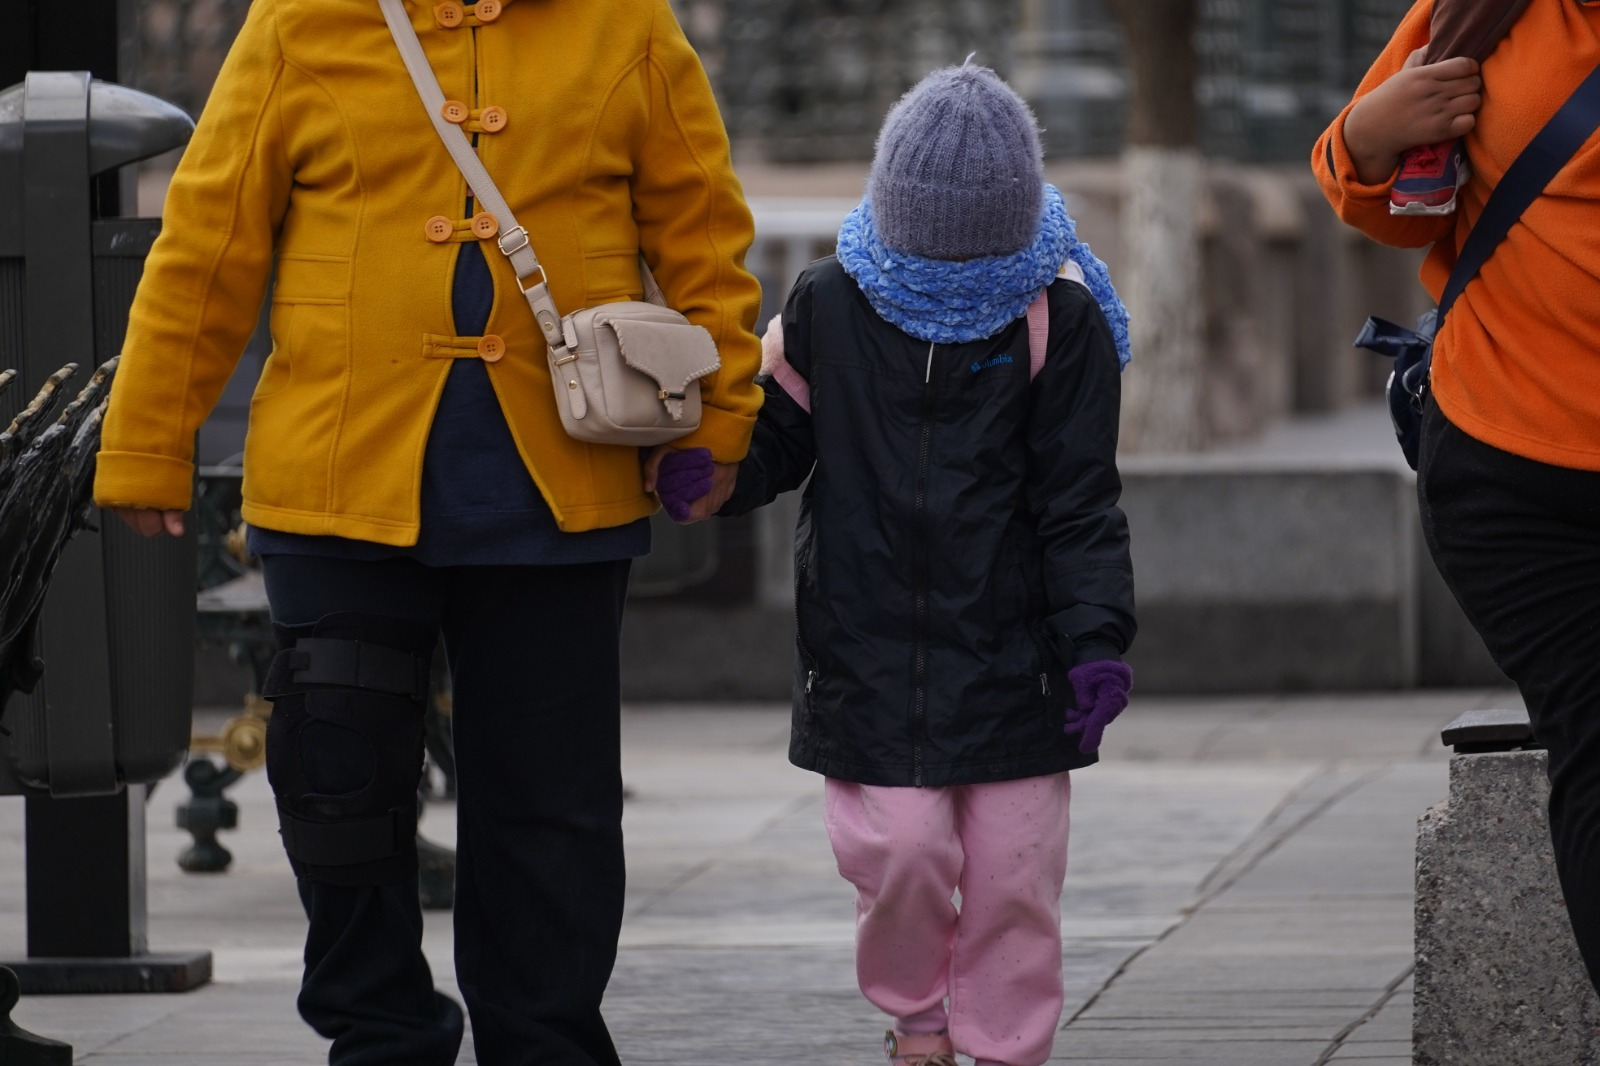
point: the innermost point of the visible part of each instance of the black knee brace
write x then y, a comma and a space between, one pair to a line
344, 745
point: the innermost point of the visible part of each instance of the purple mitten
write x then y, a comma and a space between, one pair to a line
1100, 692
682, 478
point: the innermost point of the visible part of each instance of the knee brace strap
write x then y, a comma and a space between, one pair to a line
345, 745
348, 843
321, 662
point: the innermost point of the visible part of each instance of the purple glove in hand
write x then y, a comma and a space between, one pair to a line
1100, 692
683, 478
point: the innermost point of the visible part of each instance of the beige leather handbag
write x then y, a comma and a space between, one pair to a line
624, 373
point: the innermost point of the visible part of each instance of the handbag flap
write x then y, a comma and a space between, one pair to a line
673, 354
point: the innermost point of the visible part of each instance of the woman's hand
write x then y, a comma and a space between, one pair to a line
1422, 103
691, 486
151, 522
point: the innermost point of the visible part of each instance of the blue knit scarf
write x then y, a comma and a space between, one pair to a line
951, 302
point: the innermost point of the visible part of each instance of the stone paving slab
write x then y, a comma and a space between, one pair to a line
1235, 895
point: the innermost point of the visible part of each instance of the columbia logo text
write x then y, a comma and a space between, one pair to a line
987, 363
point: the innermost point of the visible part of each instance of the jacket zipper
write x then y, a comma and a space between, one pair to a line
1038, 652
800, 636
919, 714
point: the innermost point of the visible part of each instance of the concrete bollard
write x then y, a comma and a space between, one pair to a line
1499, 981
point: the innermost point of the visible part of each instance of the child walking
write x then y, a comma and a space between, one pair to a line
963, 585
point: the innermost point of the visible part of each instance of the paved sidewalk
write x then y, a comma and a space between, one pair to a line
1239, 892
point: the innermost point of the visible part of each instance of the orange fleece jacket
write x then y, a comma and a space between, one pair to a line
1517, 363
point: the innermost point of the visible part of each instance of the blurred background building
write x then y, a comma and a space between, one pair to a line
809, 80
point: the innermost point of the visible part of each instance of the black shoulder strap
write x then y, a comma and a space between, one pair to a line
1550, 150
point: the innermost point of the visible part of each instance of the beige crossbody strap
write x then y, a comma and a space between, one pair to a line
513, 239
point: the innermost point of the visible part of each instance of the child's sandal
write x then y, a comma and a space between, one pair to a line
909, 1049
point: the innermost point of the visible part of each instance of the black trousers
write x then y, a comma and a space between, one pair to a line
1518, 542
533, 654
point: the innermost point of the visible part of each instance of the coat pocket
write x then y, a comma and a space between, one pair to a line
310, 322
611, 276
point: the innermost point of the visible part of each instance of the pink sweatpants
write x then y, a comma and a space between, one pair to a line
998, 960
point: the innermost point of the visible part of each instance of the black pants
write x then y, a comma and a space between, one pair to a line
1518, 542
539, 868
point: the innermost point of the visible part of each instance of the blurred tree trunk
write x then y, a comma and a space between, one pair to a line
1163, 177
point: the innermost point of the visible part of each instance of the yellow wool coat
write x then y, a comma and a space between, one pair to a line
314, 158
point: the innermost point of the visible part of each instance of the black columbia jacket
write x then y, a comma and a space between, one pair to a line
959, 544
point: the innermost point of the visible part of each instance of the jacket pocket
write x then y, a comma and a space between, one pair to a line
806, 634
278, 370
1032, 623
309, 322
807, 661
309, 342
308, 278
610, 276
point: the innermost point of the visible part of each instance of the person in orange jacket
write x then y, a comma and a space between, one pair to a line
1509, 474
407, 475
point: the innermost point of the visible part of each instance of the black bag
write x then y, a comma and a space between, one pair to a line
1524, 180
1412, 352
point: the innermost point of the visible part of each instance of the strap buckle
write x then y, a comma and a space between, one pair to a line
544, 279
517, 232
321, 662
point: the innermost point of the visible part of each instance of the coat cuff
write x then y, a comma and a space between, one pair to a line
724, 433
1342, 169
1094, 651
138, 479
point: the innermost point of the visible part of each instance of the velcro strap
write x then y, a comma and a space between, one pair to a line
347, 843
320, 662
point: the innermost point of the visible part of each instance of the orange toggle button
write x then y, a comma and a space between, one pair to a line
454, 111
439, 229
488, 10
450, 15
493, 118
491, 348
484, 226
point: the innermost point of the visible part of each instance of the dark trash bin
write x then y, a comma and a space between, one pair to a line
111, 712
117, 628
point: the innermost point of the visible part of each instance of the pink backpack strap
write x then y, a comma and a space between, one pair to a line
774, 362
1038, 332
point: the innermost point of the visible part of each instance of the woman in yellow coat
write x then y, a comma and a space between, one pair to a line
407, 474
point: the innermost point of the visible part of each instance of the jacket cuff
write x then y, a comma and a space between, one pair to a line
724, 433
1094, 651
1342, 168
139, 479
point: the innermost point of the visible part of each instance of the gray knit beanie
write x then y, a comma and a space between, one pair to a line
959, 172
